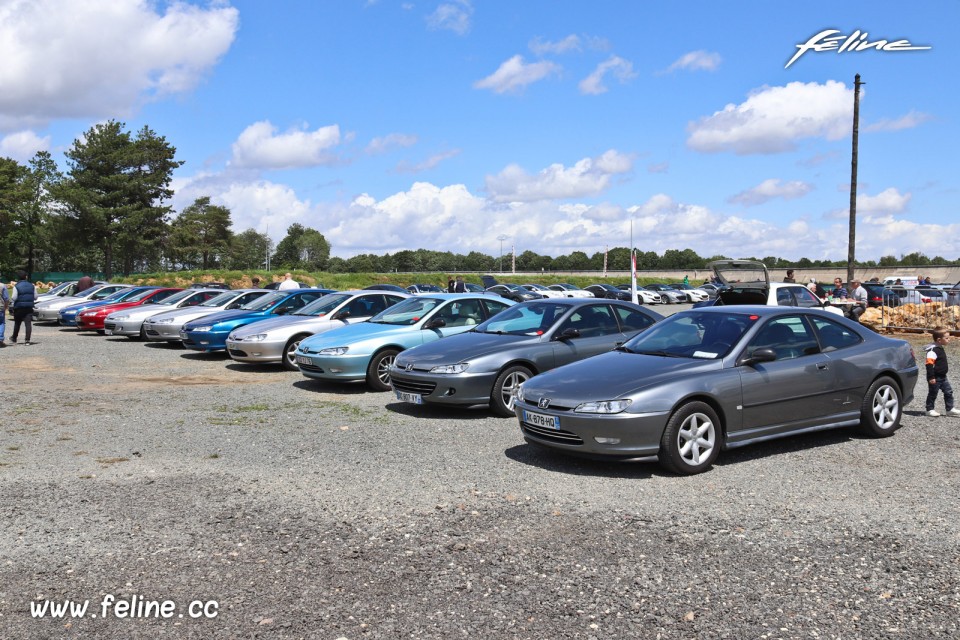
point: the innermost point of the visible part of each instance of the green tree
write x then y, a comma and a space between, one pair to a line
314, 250
248, 250
115, 190
200, 235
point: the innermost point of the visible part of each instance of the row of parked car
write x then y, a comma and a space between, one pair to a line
585, 375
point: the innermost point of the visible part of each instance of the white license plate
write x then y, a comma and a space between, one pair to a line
541, 420
303, 360
415, 398
107, 332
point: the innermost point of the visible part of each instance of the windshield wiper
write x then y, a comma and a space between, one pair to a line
665, 354
624, 349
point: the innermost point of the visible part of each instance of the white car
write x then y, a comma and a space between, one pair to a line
645, 296
129, 322
695, 294
544, 291
748, 282
165, 326
571, 291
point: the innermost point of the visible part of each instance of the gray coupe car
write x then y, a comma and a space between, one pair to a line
715, 378
165, 326
276, 339
485, 365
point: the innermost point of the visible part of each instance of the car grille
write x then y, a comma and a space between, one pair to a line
412, 386
152, 332
109, 325
551, 435
238, 353
310, 367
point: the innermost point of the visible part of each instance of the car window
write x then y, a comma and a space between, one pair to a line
527, 319
785, 298
493, 307
834, 335
788, 336
591, 321
805, 297
461, 313
632, 320
408, 312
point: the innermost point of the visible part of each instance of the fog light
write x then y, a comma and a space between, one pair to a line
606, 440
332, 370
450, 392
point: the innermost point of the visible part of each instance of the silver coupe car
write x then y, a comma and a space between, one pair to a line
276, 339
129, 322
485, 365
165, 326
715, 378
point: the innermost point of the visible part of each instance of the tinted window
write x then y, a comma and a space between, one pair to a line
592, 321
834, 335
527, 319
632, 320
493, 307
789, 337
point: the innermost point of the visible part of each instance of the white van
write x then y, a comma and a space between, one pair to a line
907, 281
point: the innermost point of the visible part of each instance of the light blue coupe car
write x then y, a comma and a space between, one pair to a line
366, 351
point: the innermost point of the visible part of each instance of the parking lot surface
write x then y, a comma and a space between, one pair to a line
146, 473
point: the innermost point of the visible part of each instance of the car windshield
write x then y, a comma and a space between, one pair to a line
536, 287
124, 294
533, 319
432, 288
692, 335
606, 287
324, 305
408, 312
141, 296
569, 287
179, 296
264, 302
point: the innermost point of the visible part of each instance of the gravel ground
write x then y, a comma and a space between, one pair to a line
306, 510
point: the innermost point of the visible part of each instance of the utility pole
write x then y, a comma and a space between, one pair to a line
851, 245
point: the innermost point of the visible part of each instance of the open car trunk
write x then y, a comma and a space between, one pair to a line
744, 281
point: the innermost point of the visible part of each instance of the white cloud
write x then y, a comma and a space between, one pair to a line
587, 177
696, 61
515, 74
260, 147
621, 69
452, 16
770, 189
389, 142
102, 58
23, 145
888, 201
773, 119
909, 121
541, 47
658, 167
429, 163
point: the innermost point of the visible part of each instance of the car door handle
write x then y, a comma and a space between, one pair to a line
823, 366
620, 343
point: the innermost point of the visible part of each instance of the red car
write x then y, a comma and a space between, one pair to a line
92, 319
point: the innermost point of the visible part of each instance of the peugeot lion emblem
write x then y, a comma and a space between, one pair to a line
409, 366
543, 403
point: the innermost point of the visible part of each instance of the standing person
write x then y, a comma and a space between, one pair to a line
288, 283
84, 283
451, 285
859, 295
4, 303
789, 277
937, 368
24, 295
459, 286
255, 282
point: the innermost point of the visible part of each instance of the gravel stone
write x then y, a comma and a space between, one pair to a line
310, 510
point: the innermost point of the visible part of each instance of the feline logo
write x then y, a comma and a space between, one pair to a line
856, 41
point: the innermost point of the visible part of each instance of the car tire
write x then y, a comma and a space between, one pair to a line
502, 398
143, 333
692, 439
378, 376
289, 349
882, 408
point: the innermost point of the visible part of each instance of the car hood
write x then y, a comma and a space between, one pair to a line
612, 375
187, 313
353, 333
741, 273
143, 311
232, 315
288, 322
465, 346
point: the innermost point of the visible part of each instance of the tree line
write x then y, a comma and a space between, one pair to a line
108, 212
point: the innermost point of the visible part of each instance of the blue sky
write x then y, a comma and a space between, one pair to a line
442, 125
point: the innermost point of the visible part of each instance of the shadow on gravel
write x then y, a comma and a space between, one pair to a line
343, 388
434, 412
571, 465
206, 356
791, 444
257, 368
167, 345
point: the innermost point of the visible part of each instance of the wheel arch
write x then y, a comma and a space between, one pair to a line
710, 401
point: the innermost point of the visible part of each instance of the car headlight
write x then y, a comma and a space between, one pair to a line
518, 394
603, 406
451, 368
118, 318
333, 351
162, 321
201, 328
259, 337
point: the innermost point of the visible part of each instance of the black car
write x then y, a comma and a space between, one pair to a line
514, 292
878, 295
608, 291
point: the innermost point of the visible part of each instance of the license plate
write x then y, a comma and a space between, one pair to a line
415, 398
541, 420
303, 360
108, 332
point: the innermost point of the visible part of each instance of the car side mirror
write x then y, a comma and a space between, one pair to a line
567, 334
233, 305
343, 314
282, 311
764, 354
435, 323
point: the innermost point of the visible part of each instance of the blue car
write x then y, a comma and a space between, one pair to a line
366, 350
67, 316
209, 333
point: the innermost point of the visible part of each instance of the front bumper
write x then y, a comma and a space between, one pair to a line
205, 341
163, 332
122, 327
90, 324
251, 351
344, 368
46, 315
467, 388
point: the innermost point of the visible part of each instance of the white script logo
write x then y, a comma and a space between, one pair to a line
856, 41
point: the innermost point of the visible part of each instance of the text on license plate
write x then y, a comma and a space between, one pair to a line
415, 398
303, 360
540, 420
